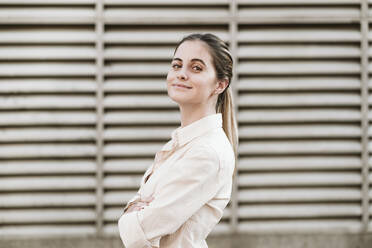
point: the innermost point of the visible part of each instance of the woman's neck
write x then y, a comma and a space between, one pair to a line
192, 113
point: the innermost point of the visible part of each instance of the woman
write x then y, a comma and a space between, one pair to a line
183, 193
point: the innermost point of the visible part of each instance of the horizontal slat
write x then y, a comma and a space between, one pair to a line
143, 69
300, 147
121, 182
221, 228
48, 230
298, 83
112, 214
9, 52
142, 117
47, 134
274, 35
61, 35
297, 195
370, 68
298, 67
301, 226
300, 179
132, 149
47, 216
370, 53
300, 99
311, 163
47, 183
297, 51
47, 150
370, 147
47, 102
126, 165
135, 85
12, 69
47, 86
47, 14
300, 115
55, 199
47, 167
297, 2
155, 35
370, 33
298, 12
165, 2
300, 131
132, 133
118, 198
47, 118
48, 2
138, 101
299, 211
139, 53
185, 15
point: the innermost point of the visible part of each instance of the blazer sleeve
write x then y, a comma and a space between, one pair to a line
184, 188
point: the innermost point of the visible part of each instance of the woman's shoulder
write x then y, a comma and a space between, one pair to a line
215, 143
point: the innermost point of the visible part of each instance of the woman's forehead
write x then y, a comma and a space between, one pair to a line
190, 50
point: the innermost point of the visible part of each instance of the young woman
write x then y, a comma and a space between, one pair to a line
184, 192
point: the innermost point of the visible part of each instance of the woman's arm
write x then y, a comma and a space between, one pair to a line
184, 188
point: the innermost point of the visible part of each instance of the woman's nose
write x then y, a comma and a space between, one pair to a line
182, 75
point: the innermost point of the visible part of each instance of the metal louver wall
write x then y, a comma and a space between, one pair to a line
83, 109
299, 99
47, 118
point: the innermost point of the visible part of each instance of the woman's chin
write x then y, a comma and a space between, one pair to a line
178, 98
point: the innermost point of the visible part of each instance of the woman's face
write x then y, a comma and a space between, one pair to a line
192, 77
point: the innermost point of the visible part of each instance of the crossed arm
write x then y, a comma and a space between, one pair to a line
186, 187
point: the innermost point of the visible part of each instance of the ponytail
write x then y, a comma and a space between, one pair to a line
225, 106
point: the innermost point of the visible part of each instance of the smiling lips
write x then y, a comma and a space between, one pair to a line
181, 86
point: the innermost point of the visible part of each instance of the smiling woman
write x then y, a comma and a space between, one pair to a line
184, 192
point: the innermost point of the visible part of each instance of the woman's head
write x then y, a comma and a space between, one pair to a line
201, 70
201, 73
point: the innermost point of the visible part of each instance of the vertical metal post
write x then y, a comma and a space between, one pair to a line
233, 31
99, 29
364, 114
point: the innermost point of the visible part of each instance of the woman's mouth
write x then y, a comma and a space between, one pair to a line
181, 86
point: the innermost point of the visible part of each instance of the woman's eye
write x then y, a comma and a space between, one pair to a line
197, 68
175, 66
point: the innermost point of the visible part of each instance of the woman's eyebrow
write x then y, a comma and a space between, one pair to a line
201, 61
195, 59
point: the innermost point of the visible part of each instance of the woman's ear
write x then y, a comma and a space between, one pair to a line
221, 86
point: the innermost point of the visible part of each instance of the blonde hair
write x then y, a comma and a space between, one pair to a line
226, 107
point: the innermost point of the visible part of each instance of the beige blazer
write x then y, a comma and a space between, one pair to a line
191, 182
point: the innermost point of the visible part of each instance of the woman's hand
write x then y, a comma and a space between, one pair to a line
139, 204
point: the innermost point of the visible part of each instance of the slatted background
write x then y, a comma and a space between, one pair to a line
83, 109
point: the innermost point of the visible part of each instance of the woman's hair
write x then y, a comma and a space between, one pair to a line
223, 64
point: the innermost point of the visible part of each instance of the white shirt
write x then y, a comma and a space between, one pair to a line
191, 182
